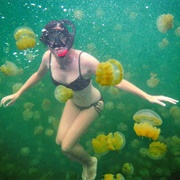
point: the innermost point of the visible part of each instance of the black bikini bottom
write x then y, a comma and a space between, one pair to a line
96, 105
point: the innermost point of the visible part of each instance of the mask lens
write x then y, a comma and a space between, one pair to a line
57, 38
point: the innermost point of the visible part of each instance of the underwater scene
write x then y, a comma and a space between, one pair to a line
133, 139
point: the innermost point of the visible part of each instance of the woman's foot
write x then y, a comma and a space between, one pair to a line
84, 173
91, 169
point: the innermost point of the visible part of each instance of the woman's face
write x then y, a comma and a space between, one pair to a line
57, 38
57, 41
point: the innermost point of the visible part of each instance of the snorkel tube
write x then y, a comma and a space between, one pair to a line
67, 29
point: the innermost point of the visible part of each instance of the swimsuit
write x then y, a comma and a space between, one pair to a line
79, 84
97, 106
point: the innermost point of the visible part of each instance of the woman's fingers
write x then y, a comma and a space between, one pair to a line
166, 99
7, 101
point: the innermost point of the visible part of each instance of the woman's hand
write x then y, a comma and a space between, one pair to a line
159, 100
9, 100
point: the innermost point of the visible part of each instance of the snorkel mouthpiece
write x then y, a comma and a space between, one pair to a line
61, 53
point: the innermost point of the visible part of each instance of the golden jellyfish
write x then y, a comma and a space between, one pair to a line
173, 144
117, 27
128, 168
157, 150
146, 119
78, 14
143, 152
38, 130
175, 112
25, 151
119, 177
28, 105
91, 47
46, 104
27, 114
122, 126
100, 12
114, 92
62, 93
109, 73
165, 22
163, 43
133, 15
9, 69
25, 38
115, 141
16, 87
100, 144
37, 115
109, 105
49, 132
153, 81
135, 143
177, 31
54, 121
108, 177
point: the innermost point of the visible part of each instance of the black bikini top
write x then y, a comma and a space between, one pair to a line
79, 84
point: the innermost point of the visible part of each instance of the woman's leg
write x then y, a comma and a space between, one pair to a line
73, 124
70, 112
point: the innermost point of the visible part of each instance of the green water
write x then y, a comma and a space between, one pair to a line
123, 30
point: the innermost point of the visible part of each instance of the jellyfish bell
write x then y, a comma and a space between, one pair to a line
128, 168
100, 144
62, 93
49, 132
9, 69
109, 73
147, 115
165, 22
116, 141
143, 152
153, 81
16, 87
23, 31
108, 177
24, 151
177, 31
163, 43
119, 177
78, 14
146, 120
25, 38
157, 150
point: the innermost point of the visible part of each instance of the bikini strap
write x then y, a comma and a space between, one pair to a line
79, 64
50, 61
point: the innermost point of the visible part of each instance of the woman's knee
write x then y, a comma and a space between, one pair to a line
64, 146
58, 140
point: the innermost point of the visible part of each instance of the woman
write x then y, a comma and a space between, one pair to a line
73, 69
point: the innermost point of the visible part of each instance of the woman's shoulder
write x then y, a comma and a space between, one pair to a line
88, 61
46, 57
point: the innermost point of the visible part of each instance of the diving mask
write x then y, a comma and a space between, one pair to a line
57, 36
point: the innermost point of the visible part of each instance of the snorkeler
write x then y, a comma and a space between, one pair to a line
74, 69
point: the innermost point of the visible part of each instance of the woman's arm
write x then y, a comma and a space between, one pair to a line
34, 79
129, 87
92, 64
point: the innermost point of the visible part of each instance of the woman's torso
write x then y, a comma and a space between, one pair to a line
68, 72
